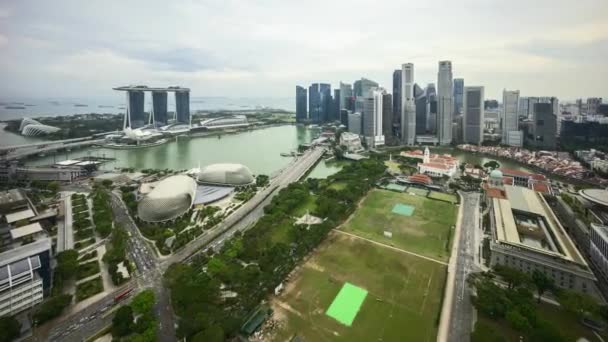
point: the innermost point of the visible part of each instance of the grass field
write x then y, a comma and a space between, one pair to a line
402, 303
443, 196
425, 232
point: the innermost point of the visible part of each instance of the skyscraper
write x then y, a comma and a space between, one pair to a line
421, 112
445, 107
408, 106
387, 118
543, 130
346, 91
354, 123
431, 109
373, 114
510, 118
473, 107
182, 107
301, 100
335, 106
458, 91
397, 97
135, 117
314, 103
326, 101
159, 108
363, 87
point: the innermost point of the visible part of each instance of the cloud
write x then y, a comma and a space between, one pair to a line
264, 48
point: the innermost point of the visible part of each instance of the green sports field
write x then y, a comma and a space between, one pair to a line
425, 232
402, 302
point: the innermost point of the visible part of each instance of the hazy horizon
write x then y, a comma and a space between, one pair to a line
242, 49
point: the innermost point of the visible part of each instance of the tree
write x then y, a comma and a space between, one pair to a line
214, 333
143, 302
512, 276
52, 308
122, 323
53, 186
492, 164
542, 283
518, 321
10, 328
261, 180
578, 303
106, 183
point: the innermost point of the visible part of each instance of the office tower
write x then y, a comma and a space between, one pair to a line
531, 102
445, 106
473, 115
523, 107
592, 105
543, 130
349, 103
159, 108
431, 109
326, 100
135, 117
373, 112
346, 91
314, 103
458, 91
509, 117
421, 110
301, 100
354, 123
387, 118
363, 87
182, 107
335, 107
344, 117
408, 106
397, 97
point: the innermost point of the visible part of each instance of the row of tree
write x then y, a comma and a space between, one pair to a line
254, 263
136, 322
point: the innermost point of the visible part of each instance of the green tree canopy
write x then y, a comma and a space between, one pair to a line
143, 302
122, 323
10, 328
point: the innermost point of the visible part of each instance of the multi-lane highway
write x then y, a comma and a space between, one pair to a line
461, 315
150, 267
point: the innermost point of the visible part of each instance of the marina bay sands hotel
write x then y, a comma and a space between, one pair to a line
136, 117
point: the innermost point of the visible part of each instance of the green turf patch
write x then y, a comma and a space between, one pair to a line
403, 209
396, 187
346, 305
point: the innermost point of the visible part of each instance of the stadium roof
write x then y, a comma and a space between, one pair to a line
597, 196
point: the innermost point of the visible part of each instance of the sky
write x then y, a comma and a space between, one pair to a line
264, 48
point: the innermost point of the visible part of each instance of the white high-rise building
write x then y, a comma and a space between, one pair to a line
510, 118
445, 102
408, 106
473, 115
378, 95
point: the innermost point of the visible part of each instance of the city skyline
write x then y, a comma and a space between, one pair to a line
87, 59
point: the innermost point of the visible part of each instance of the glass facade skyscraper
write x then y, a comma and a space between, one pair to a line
182, 107
135, 117
159, 108
473, 107
301, 99
458, 91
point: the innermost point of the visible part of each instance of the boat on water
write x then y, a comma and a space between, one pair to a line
80, 105
14, 107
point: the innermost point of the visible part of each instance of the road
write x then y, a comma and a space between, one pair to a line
461, 315
150, 268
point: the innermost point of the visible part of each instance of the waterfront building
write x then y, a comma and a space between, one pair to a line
355, 123
527, 235
171, 198
326, 102
397, 100
301, 99
32, 128
473, 115
543, 130
346, 92
434, 165
585, 132
458, 95
314, 103
445, 105
408, 106
510, 118
226, 175
222, 122
182, 107
351, 141
135, 116
159, 108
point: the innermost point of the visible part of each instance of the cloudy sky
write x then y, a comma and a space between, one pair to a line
263, 48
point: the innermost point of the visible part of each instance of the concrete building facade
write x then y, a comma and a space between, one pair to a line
408, 106
473, 116
445, 102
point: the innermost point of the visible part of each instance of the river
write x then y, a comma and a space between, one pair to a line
258, 149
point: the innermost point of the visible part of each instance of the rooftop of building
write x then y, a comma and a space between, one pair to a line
513, 172
597, 196
20, 215
10, 196
146, 88
524, 218
34, 228
39, 246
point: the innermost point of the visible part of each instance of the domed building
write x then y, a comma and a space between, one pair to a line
226, 174
170, 198
495, 179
